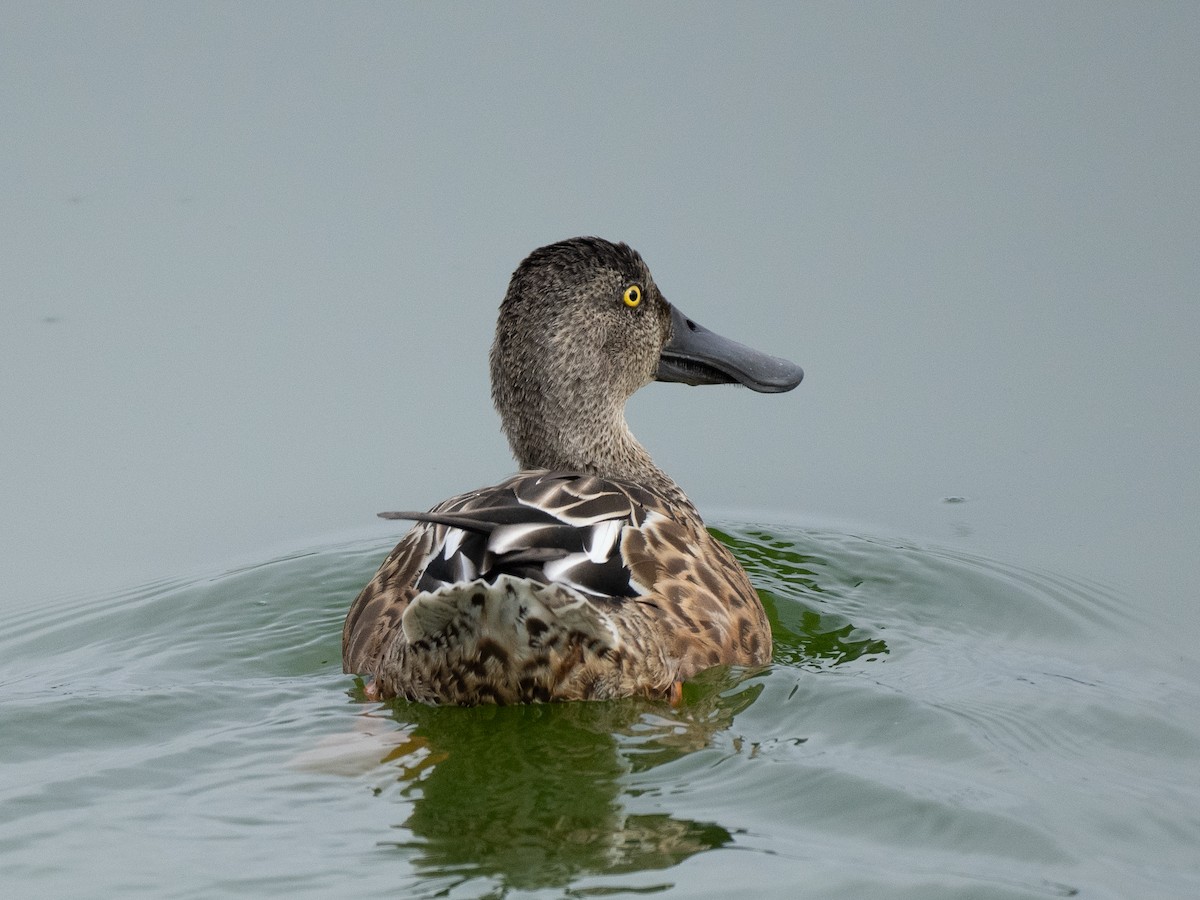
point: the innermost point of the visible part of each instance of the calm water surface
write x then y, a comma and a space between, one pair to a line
934, 724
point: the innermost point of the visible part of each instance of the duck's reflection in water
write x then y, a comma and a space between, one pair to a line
533, 796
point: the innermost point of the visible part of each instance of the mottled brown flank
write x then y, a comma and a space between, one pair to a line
374, 618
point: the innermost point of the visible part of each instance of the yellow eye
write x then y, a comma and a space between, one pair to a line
632, 296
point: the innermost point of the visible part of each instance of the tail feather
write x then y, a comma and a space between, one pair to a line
516, 613
512, 640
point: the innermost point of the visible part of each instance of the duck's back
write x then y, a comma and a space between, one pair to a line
552, 586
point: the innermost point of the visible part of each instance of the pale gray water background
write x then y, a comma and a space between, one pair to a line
250, 258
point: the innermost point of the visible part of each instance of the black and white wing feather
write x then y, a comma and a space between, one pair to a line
552, 528
546, 528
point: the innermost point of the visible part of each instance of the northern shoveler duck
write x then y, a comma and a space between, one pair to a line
588, 574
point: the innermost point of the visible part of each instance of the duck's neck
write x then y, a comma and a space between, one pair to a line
599, 443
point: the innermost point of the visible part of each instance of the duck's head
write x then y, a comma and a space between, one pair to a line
582, 327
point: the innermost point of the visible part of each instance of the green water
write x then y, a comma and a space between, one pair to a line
934, 725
